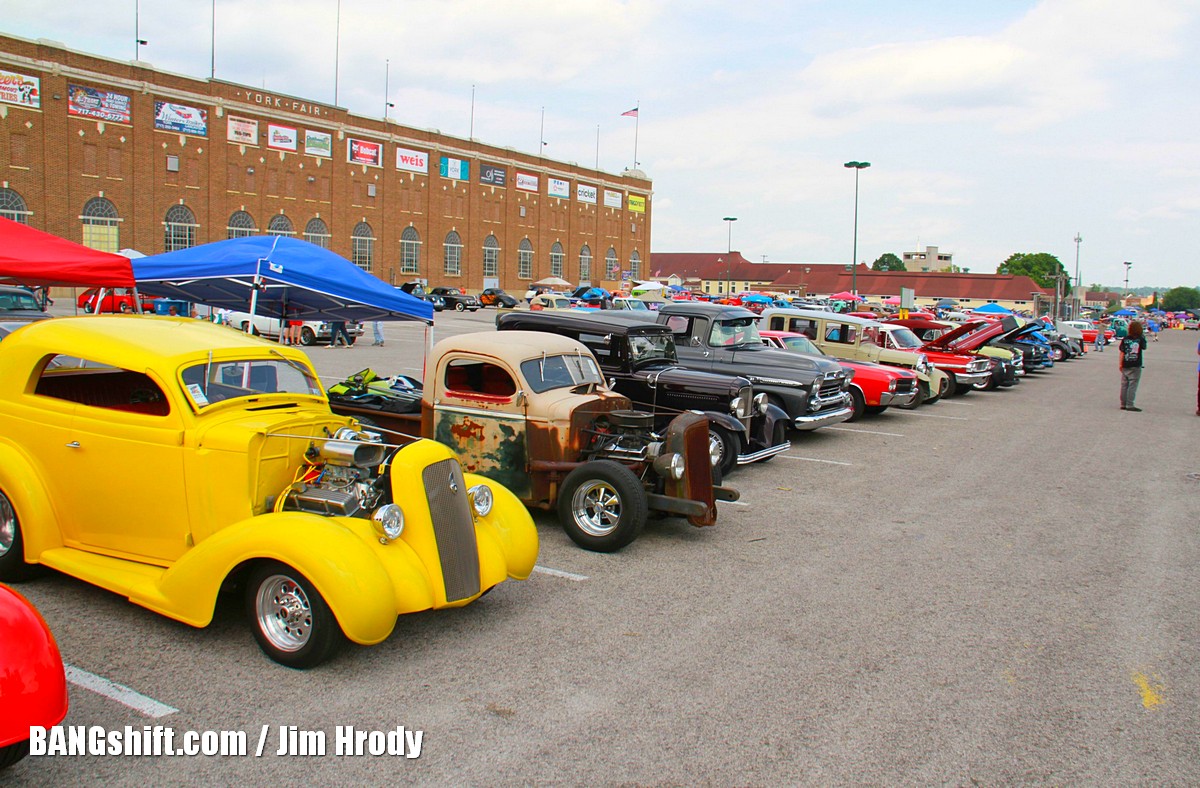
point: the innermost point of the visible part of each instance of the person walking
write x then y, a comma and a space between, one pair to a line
1099, 337
337, 328
377, 327
1129, 358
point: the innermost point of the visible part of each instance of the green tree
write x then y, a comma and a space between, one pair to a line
1041, 267
888, 262
1179, 298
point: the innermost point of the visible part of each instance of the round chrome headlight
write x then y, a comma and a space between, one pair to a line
672, 464
389, 522
481, 499
676, 466
761, 402
736, 406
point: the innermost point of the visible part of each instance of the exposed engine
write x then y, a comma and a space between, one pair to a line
341, 477
625, 436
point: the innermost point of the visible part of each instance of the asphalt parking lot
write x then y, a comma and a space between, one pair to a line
996, 589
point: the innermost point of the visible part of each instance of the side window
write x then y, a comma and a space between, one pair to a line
100, 386
833, 332
601, 346
678, 324
803, 325
842, 333
466, 377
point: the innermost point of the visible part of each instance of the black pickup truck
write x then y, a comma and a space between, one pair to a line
637, 357
813, 390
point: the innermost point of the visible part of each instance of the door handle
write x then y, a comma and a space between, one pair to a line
73, 445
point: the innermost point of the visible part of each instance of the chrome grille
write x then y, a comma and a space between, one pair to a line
904, 385
453, 528
830, 387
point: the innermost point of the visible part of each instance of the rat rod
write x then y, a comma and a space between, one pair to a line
531, 410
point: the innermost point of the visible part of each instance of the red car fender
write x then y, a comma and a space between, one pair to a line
33, 685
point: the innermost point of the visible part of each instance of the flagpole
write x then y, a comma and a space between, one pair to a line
637, 119
597, 146
471, 134
337, 45
542, 133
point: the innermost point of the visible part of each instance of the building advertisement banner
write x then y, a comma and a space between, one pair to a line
557, 187
412, 160
98, 104
242, 131
20, 89
181, 118
364, 152
318, 143
493, 176
585, 193
282, 137
637, 204
456, 169
527, 182
612, 199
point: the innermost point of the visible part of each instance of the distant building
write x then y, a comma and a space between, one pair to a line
929, 260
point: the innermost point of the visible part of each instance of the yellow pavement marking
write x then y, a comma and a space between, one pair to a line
1152, 691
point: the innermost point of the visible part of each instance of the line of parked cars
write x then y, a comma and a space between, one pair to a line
332, 512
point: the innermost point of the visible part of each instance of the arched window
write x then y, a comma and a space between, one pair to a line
280, 225
12, 206
452, 255
585, 265
612, 268
525, 260
635, 266
100, 225
556, 259
491, 257
179, 228
410, 251
241, 225
317, 232
362, 246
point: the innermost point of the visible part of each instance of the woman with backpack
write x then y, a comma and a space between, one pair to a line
1129, 357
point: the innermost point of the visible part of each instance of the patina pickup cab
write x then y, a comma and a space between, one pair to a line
532, 411
163, 458
718, 338
637, 356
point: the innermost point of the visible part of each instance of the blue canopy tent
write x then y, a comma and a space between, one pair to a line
276, 276
993, 309
1125, 313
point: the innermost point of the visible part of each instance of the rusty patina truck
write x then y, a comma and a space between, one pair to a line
532, 411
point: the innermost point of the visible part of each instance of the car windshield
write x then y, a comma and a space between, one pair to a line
212, 381
18, 299
905, 338
648, 347
739, 331
801, 345
561, 371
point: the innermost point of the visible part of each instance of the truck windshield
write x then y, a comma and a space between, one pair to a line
651, 347
559, 372
739, 331
215, 381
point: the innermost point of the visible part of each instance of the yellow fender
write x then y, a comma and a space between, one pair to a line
510, 529
39, 525
343, 567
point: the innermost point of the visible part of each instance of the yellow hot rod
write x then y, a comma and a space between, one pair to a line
162, 458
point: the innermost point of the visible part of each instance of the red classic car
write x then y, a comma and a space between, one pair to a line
115, 300
33, 684
966, 370
874, 386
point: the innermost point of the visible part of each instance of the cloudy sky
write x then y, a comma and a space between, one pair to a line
991, 127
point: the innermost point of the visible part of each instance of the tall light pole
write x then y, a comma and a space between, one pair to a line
857, 166
1079, 286
1128, 265
729, 220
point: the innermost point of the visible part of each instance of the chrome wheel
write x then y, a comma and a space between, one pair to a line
284, 613
596, 508
8, 526
716, 449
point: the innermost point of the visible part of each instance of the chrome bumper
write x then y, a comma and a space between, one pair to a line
972, 378
900, 400
762, 454
825, 418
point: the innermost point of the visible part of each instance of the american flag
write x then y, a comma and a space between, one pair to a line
633, 113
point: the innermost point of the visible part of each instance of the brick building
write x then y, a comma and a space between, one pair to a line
117, 154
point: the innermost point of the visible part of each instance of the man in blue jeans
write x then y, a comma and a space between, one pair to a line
338, 328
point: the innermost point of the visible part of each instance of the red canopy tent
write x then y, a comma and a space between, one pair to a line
32, 257
845, 295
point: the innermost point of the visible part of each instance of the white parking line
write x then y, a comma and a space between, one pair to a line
734, 503
936, 416
559, 573
865, 432
814, 459
123, 695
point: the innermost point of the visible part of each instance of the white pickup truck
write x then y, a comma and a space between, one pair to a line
311, 333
